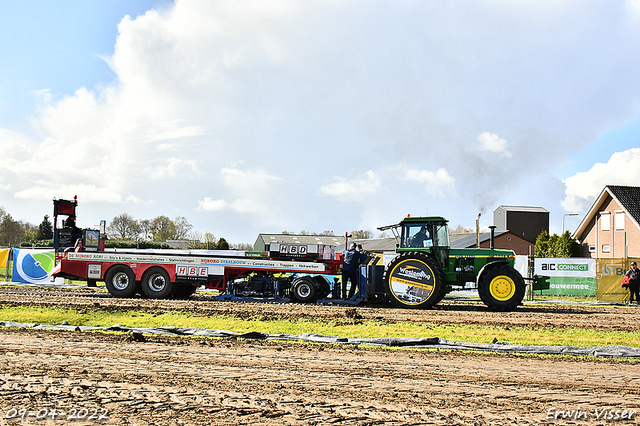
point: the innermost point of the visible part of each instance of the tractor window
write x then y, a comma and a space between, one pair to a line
441, 236
417, 235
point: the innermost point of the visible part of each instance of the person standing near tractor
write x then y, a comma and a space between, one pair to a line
352, 258
634, 282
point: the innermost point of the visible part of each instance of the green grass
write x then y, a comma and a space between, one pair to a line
368, 329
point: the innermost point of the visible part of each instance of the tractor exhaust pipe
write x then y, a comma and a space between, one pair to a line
492, 241
478, 230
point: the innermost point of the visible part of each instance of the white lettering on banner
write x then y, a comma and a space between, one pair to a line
195, 261
570, 286
561, 267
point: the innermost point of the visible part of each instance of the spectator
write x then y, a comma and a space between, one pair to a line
634, 283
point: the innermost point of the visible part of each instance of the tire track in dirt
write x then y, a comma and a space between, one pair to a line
531, 316
167, 381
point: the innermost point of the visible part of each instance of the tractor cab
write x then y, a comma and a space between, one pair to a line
426, 234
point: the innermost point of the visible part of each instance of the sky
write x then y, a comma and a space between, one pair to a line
250, 117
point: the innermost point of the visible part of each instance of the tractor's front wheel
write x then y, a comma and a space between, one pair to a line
414, 280
501, 288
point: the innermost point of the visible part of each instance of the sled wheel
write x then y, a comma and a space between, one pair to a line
121, 281
304, 290
156, 283
184, 291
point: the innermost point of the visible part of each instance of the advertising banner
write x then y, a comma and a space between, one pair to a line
32, 266
610, 273
4, 255
566, 276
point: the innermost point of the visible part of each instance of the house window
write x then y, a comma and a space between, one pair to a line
618, 220
606, 248
605, 221
592, 249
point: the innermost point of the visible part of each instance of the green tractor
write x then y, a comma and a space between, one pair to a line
426, 268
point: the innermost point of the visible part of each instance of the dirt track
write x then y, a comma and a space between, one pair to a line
166, 381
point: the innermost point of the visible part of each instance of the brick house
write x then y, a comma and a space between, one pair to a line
611, 227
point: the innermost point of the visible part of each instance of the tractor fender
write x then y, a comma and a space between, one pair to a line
488, 266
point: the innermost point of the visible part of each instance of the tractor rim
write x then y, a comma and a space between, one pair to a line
502, 288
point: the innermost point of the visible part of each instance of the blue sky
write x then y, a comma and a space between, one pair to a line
265, 116
58, 46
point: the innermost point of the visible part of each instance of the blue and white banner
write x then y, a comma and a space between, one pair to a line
32, 266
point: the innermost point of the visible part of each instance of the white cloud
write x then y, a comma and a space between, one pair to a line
248, 181
171, 167
209, 205
582, 188
439, 182
257, 108
633, 6
345, 189
493, 143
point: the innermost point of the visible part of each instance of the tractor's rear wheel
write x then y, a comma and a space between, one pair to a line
414, 280
304, 290
501, 288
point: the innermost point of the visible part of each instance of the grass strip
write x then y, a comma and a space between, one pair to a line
361, 329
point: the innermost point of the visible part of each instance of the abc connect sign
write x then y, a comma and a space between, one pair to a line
567, 276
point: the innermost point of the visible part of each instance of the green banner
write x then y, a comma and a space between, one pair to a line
569, 277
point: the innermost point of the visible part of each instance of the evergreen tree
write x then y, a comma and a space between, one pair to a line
541, 248
45, 229
556, 246
222, 244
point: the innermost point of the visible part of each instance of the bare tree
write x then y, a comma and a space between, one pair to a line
145, 228
163, 229
182, 227
124, 227
242, 246
461, 230
361, 234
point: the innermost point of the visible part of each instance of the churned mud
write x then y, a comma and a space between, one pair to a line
88, 378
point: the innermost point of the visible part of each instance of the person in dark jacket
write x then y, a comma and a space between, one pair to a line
352, 258
634, 283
